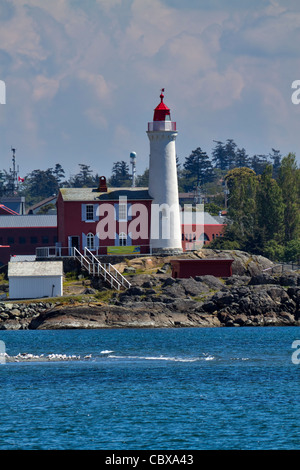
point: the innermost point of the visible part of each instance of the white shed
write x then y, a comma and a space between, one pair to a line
34, 280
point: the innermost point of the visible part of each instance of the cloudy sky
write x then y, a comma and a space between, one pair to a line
83, 77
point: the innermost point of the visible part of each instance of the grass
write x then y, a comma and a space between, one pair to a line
104, 295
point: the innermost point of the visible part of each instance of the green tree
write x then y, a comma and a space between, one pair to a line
258, 163
39, 185
288, 180
230, 151
270, 208
275, 157
143, 180
120, 175
242, 186
198, 169
219, 157
82, 179
242, 159
292, 251
59, 173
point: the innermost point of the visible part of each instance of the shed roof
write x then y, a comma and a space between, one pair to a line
9, 221
112, 194
35, 268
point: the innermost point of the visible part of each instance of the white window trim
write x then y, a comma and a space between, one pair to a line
122, 236
90, 236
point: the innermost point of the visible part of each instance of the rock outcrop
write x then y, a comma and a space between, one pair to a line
158, 300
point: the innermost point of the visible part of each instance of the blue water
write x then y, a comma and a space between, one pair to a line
198, 388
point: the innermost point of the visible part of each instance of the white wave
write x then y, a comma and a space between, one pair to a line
106, 351
155, 358
28, 357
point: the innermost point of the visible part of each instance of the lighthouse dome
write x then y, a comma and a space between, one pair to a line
162, 112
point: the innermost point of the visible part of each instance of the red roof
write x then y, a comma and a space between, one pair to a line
161, 111
6, 210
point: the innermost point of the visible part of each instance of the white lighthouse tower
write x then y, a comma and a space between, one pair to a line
163, 184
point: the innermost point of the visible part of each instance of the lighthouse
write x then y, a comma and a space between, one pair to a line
163, 184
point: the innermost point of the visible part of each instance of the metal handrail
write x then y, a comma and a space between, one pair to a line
67, 252
100, 269
118, 275
294, 266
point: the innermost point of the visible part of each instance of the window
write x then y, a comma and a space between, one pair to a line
122, 211
122, 239
45, 239
10, 240
22, 240
90, 241
89, 212
33, 240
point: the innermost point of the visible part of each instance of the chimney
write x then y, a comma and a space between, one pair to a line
102, 188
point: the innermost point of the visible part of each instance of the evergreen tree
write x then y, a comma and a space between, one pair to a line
242, 159
58, 173
198, 169
275, 157
219, 156
288, 180
230, 152
242, 186
82, 179
270, 209
120, 175
258, 163
143, 180
39, 185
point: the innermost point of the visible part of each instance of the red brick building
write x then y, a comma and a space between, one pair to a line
22, 234
106, 221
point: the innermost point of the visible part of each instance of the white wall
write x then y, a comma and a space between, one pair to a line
32, 287
163, 188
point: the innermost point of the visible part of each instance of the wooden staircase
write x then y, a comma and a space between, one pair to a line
107, 272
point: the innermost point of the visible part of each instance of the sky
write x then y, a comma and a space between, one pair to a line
83, 77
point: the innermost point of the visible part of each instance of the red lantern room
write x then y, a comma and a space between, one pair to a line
162, 112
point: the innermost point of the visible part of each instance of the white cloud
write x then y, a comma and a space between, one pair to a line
44, 88
100, 65
98, 84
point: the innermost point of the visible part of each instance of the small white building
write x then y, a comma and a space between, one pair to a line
34, 280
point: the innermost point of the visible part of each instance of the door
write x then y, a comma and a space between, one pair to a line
73, 242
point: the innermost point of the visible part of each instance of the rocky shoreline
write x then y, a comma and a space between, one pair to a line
159, 301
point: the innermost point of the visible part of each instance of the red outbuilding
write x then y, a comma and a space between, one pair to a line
22, 234
185, 268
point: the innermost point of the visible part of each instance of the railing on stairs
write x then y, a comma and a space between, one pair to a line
95, 268
116, 274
